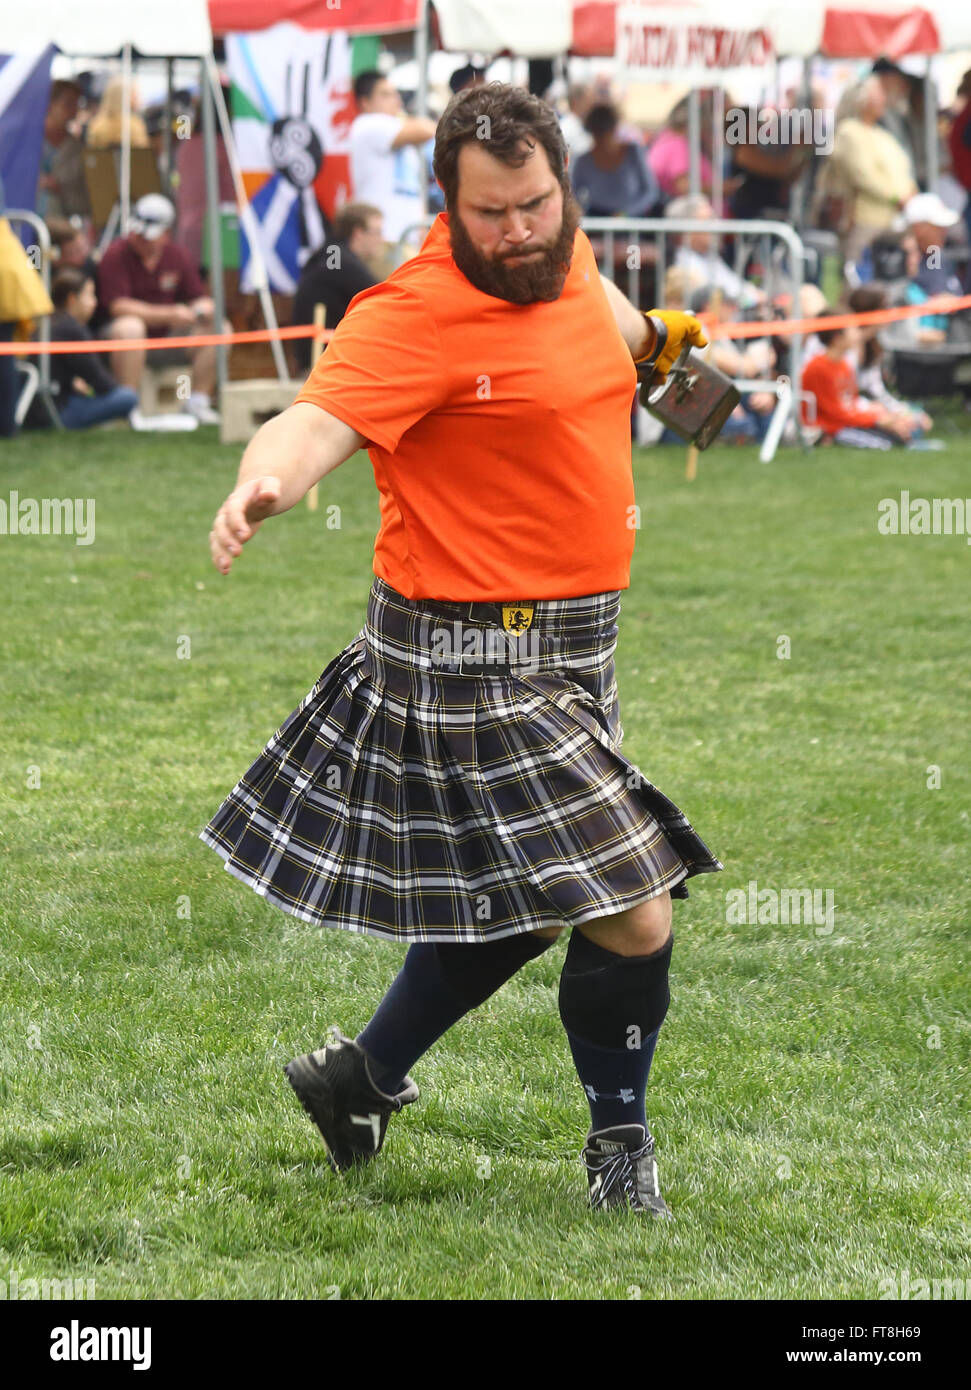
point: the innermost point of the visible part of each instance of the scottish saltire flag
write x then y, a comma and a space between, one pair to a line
292, 107
25, 81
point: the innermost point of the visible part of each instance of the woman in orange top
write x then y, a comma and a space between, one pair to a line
454, 779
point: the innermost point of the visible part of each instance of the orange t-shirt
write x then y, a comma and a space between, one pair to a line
834, 386
499, 433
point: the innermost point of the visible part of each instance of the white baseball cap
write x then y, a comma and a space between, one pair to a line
151, 216
928, 207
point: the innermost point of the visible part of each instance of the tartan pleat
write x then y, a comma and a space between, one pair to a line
409, 801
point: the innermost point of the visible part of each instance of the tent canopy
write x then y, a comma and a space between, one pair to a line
96, 28
833, 28
358, 17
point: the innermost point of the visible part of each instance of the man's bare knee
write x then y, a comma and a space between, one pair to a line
548, 933
127, 326
640, 931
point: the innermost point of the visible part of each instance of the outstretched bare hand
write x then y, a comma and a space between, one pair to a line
240, 517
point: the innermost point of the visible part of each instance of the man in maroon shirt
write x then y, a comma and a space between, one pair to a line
149, 288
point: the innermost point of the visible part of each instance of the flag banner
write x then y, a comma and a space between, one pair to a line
669, 43
292, 106
352, 16
25, 83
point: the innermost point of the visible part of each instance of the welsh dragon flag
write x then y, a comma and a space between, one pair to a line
292, 107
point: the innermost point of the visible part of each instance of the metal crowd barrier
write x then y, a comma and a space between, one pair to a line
777, 243
39, 377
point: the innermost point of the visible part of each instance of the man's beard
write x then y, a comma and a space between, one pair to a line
521, 282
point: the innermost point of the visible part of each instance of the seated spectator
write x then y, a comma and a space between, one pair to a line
677, 288
669, 157
105, 126
868, 361
742, 359
148, 288
840, 414
71, 245
698, 257
613, 179
811, 305
929, 328
61, 187
339, 270
87, 393
929, 220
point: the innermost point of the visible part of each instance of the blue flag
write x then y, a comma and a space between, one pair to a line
25, 80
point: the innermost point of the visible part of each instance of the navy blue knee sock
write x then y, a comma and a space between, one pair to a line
614, 1080
435, 987
612, 1008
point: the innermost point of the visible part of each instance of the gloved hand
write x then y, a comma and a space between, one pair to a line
674, 330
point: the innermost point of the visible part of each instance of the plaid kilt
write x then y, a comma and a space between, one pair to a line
447, 780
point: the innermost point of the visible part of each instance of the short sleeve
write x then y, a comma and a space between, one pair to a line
375, 132
384, 367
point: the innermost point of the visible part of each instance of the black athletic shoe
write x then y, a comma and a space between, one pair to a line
334, 1086
621, 1170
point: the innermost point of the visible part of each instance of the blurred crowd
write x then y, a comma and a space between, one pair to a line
881, 230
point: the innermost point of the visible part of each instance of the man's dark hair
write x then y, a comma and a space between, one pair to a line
828, 335
351, 218
67, 282
60, 87
864, 300
365, 83
601, 120
509, 122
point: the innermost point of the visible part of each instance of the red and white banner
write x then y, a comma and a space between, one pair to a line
351, 16
671, 43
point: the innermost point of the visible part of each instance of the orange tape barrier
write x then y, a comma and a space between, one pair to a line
940, 304
194, 340
774, 328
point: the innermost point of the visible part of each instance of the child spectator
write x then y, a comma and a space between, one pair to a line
87, 393
869, 360
840, 414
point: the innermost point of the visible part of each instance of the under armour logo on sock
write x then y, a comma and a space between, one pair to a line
625, 1095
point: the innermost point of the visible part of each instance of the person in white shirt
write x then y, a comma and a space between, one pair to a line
386, 165
697, 255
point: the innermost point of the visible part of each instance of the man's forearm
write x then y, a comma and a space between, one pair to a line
636, 330
299, 446
153, 315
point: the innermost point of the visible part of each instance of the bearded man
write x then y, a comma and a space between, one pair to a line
454, 779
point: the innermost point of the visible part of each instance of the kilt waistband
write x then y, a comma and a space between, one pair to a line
471, 638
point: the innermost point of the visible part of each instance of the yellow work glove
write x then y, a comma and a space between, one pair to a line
673, 331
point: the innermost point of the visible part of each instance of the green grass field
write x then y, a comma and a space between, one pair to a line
809, 1094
